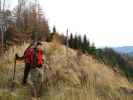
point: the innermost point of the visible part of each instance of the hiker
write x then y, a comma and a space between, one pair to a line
37, 70
27, 57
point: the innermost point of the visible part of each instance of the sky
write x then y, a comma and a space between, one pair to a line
105, 22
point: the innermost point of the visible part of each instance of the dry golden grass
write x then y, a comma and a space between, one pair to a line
72, 77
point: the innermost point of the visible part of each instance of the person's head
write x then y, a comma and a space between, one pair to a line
32, 45
39, 44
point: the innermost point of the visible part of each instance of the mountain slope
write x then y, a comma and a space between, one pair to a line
72, 76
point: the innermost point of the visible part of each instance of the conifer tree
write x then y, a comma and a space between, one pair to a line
84, 46
54, 29
71, 40
79, 42
75, 42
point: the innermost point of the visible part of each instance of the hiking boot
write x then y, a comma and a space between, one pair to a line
24, 83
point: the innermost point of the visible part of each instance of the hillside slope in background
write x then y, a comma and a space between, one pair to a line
71, 76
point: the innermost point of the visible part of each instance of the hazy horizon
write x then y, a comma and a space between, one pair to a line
106, 22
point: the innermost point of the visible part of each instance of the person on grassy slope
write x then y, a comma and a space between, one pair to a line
37, 70
27, 57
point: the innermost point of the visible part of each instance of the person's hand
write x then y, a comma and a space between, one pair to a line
16, 56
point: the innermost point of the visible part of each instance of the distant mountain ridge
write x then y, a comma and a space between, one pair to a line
124, 49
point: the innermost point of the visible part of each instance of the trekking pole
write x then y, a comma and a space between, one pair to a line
14, 72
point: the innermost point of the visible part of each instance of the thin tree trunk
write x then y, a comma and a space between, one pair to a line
4, 5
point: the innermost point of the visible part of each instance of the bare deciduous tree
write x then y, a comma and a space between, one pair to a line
31, 20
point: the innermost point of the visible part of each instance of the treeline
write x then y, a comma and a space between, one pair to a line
79, 42
83, 44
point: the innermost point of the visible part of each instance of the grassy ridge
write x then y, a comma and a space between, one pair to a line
73, 77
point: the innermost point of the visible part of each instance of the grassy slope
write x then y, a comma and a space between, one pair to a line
72, 77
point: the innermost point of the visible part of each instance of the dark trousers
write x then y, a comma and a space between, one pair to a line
26, 72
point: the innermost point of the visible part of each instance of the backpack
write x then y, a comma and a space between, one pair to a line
37, 57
